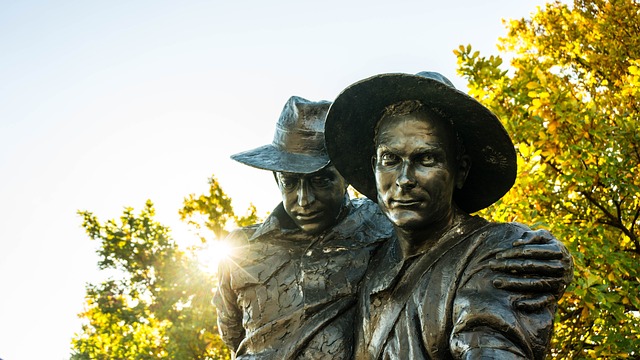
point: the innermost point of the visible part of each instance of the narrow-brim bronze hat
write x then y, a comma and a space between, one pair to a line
352, 118
298, 142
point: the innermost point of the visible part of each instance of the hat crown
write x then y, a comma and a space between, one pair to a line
436, 76
300, 128
298, 142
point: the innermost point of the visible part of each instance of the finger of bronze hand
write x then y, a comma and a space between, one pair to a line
535, 303
529, 267
543, 251
529, 285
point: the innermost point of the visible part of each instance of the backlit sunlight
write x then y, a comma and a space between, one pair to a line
210, 255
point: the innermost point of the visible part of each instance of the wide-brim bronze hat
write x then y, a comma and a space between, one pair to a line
298, 142
352, 118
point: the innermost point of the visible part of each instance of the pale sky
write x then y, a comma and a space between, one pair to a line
104, 104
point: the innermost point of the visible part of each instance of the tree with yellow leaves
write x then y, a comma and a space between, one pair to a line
156, 302
571, 101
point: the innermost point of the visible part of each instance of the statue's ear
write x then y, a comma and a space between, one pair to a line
373, 163
464, 165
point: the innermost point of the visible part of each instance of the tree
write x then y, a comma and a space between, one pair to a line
571, 101
157, 302
213, 211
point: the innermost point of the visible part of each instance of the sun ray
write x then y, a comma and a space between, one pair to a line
212, 254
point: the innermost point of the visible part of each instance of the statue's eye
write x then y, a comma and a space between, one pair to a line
388, 159
288, 182
320, 181
427, 160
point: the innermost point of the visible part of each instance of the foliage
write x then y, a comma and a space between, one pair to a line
571, 101
157, 301
213, 211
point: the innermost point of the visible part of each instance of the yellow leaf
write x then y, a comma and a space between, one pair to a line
541, 76
625, 300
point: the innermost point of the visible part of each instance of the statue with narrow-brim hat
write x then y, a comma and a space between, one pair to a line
289, 289
430, 155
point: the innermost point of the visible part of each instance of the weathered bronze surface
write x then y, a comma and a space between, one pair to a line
290, 290
447, 285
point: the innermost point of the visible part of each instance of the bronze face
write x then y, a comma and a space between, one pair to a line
416, 170
313, 200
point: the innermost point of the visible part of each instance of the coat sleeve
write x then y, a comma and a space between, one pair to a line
225, 300
486, 323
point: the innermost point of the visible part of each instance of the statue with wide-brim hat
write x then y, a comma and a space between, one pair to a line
352, 119
447, 285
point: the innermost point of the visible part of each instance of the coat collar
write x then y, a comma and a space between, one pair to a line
386, 267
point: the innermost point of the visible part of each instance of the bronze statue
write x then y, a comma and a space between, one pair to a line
290, 289
431, 155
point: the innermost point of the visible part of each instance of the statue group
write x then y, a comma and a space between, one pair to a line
407, 272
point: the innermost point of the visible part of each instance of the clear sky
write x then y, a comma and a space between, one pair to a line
104, 104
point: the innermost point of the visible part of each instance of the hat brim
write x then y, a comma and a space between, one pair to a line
352, 118
268, 157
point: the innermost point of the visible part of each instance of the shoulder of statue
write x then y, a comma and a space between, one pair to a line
502, 235
367, 210
514, 228
365, 223
242, 235
361, 201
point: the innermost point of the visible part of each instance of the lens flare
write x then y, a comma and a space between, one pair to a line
211, 255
